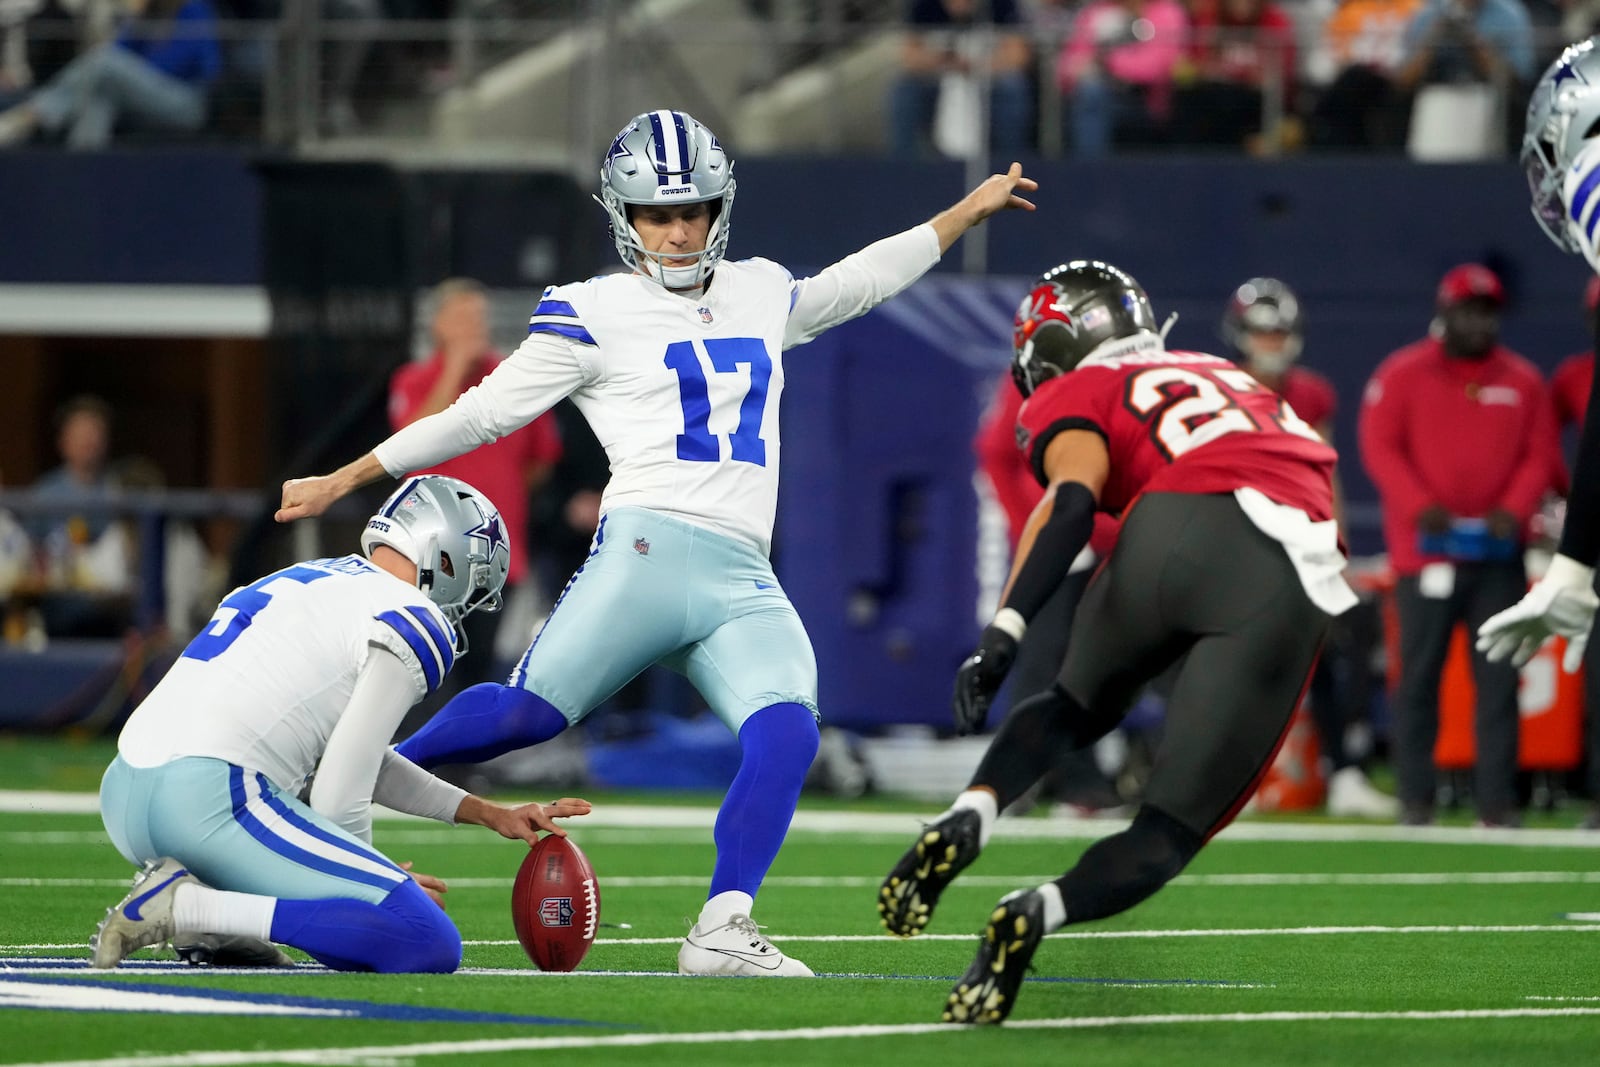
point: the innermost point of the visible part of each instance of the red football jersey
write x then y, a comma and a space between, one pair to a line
1310, 394
1569, 387
1183, 422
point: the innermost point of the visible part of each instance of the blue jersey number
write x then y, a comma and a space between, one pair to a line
236, 613
697, 443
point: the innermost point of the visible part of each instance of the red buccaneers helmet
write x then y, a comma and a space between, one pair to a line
1070, 311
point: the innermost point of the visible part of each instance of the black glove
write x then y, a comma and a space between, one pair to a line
979, 678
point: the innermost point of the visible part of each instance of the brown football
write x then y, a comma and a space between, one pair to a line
555, 904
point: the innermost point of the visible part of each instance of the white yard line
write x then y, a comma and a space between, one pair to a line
994, 881
388, 1053
1066, 935
895, 824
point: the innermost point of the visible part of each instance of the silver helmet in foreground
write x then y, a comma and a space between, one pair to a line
667, 157
455, 537
1563, 115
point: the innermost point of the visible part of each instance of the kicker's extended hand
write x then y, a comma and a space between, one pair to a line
979, 678
1561, 603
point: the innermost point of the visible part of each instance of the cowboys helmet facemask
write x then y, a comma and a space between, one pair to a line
455, 537
1072, 310
1264, 305
1563, 114
667, 157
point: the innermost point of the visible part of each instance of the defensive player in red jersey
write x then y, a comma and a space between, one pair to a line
1227, 564
1264, 326
1571, 383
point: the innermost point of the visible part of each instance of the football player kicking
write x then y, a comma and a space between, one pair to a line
311, 668
1228, 565
1561, 157
677, 366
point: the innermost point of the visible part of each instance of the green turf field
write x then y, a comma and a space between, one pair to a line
1285, 943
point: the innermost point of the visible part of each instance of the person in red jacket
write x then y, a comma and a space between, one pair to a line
1457, 435
508, 471
1076, 781
1570, 386
1264, 327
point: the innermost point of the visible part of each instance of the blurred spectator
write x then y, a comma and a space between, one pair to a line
507, 471
16, 553
1457, 435
1264, 329
1117, 70
950, 47
1464, 59
83, 479
1363, 44
155, 75
16, 74
1240, 60
1075, 781
1569, 389
87, 571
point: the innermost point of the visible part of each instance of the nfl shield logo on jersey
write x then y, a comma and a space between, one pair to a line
641, 546
555, 911
705, 314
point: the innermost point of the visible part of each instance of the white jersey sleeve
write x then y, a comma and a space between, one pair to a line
1581, 194
556, 358
860, 282
348, 772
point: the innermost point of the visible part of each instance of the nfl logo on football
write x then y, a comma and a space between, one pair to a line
555, 911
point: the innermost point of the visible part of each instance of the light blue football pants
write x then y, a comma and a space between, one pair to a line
658, 590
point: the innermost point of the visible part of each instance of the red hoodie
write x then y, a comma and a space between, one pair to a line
1473, 436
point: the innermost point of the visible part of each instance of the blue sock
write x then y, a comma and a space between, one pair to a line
405, 934
779, 742
482, 722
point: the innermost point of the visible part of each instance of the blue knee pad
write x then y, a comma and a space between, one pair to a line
407, 933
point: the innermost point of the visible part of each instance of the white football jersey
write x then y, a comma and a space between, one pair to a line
267, 679
1578, 193
683, 391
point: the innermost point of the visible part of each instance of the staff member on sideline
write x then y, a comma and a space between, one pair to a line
1457, 434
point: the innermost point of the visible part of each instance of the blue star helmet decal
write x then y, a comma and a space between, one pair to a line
1562, 73
491, 532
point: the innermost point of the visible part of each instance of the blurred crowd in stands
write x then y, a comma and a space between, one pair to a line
1442, 79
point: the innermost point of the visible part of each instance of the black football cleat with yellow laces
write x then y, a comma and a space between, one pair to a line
988, 991
943, 850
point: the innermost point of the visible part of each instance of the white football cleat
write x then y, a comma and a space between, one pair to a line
144, 917
1350, 794
736, 947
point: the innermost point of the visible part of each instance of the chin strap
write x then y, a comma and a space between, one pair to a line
1172, 320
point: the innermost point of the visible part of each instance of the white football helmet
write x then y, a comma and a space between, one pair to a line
667, 157
455, 537
1563, 114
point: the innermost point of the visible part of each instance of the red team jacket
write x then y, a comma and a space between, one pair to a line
1472, 436
1183, 422
498, 469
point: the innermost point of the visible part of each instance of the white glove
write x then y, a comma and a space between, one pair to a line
1562, 602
